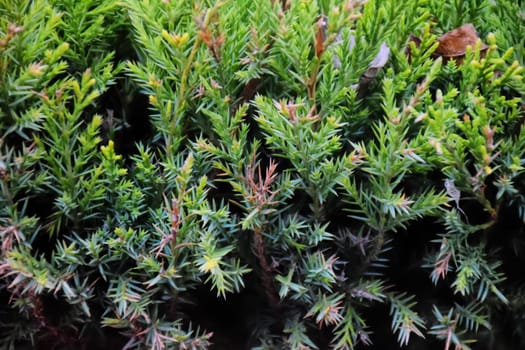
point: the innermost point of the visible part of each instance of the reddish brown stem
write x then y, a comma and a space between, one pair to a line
267, 271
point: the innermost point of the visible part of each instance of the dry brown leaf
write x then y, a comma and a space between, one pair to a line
453, 44
373, 69
320, 36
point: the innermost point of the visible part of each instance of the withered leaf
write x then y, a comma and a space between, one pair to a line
381, 57
377, 63
453, 44
320, 35
373, 69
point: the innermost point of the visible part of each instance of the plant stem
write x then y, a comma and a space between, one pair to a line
267, 278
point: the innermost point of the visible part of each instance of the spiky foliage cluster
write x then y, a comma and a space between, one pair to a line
298, 155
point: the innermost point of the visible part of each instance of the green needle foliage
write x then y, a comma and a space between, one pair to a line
315, 166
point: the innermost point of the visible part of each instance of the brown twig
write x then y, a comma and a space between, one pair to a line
261, 195
267, 270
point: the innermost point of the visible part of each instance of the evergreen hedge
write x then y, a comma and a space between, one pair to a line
240, 174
